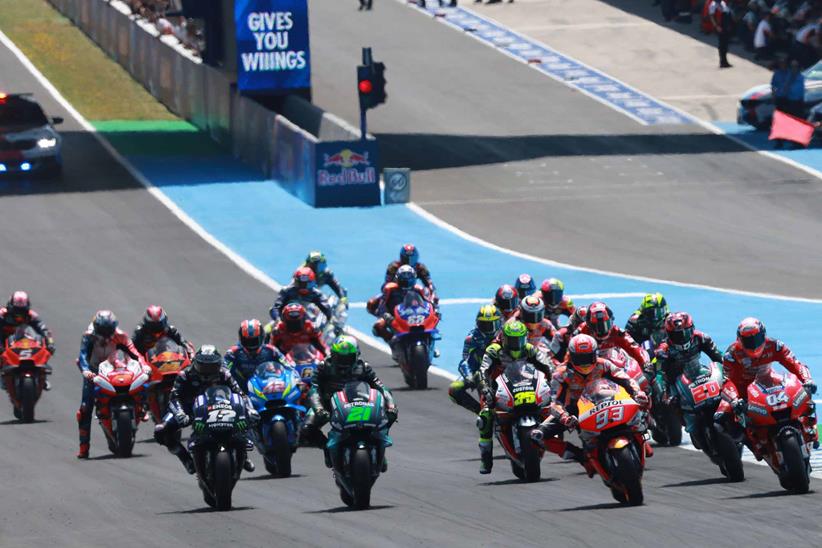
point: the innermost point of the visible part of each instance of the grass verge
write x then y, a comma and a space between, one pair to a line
91, 81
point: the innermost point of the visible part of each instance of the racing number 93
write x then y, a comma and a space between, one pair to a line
611, 414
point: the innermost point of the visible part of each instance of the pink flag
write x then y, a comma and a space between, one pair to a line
791, 128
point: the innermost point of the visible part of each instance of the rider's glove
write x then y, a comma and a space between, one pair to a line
810, 386
569, 421
392, 413
739, 406
642, 399
182, 419
253, 415
344, 301
488, 397
322, 415
88, 375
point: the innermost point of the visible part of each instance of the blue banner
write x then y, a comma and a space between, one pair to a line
273, 53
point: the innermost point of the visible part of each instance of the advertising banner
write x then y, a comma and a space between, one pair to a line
397, 182
272, 45
347, 174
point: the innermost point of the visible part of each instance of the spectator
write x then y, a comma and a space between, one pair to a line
803, 48
788, 89
763, 38
722, 20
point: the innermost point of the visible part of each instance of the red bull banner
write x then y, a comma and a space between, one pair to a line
347, 174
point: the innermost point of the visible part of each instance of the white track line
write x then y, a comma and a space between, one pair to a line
486, 300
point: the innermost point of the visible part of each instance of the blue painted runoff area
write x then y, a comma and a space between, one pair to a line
810, 157
274, 230
606, 89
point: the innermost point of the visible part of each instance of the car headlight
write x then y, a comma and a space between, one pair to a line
47, 142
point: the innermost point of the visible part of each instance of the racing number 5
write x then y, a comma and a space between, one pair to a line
612, 414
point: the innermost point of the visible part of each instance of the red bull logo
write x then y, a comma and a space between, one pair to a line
346, 158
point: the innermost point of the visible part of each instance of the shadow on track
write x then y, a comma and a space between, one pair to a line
766, 495
269, 477
514, 481
11, 422
696, 483
343, 509
600, 506
206, 510
112, 457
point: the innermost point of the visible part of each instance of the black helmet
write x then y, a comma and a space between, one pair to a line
207, 361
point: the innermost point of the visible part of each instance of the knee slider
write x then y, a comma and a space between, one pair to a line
455, 389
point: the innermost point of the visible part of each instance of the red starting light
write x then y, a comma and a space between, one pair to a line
365, 86
3, 97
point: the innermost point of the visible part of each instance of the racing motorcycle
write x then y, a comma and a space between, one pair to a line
305, 359
699, 391
24, 368
612, 428
217, 444
275, 393
357, 441
778, 426
166, 359
119, 385
520, 405
415, 330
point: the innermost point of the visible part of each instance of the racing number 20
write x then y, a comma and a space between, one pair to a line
702, 392
612, 414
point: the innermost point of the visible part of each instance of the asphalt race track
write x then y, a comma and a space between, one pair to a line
98, 239
511, 156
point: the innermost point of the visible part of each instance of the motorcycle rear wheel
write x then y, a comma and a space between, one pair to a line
223, 477
419, 366
796, 477
28, 397
628, 475
361, 478
124, 434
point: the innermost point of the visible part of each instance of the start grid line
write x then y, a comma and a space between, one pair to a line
601, 87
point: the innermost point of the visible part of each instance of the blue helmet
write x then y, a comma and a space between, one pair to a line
406, 277
409, 255
525, 285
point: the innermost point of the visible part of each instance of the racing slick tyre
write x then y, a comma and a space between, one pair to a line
28, 396
517, 470
628, 474
673, 426
361, 478
282, 450
124, 434
530, 456
795, 475
419, 366
223, 479
729, 456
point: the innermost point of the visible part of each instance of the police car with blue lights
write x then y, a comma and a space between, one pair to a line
28, 141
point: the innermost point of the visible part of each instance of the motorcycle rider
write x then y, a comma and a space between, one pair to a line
342, 366
581, 367
316, 261
524, 284
682, 344
303, 288
18, 313
243, 358
556, 302
507, 301
488, 323
751, 352
599, 323
532, 313
294, 328
206, 370
409, 255
648, 321
154, 327
393, 294
101, 339
514, 347
559, 344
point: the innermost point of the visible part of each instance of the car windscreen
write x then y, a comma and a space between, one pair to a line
17, 111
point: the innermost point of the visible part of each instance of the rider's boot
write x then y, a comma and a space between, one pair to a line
486, 447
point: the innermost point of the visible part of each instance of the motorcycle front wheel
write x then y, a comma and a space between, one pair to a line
361, 478
795, 476
223, 480
28, 397
124, 434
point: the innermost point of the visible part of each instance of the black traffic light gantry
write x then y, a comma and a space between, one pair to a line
371, 85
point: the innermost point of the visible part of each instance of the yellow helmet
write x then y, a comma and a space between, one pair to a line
488, 319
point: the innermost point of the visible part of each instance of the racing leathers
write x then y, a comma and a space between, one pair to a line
669, 360
740, 370
567, 386
187, 386
473, 350
284, 340
564, 308
9, 325
145, 339
382, 306
617, 338
423, 274
94, 350
495, 361
327, 277
242, 364
642, 328
291, 293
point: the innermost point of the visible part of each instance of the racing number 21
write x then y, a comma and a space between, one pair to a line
612, 414
359, 414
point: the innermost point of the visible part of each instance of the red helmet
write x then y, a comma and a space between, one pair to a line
19, 306
680, 329
251, 336
155, 319
578, 317
582, 353
600, 319
552, 291
751, 335
507, 300
531, 310
305, 280
294, 317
